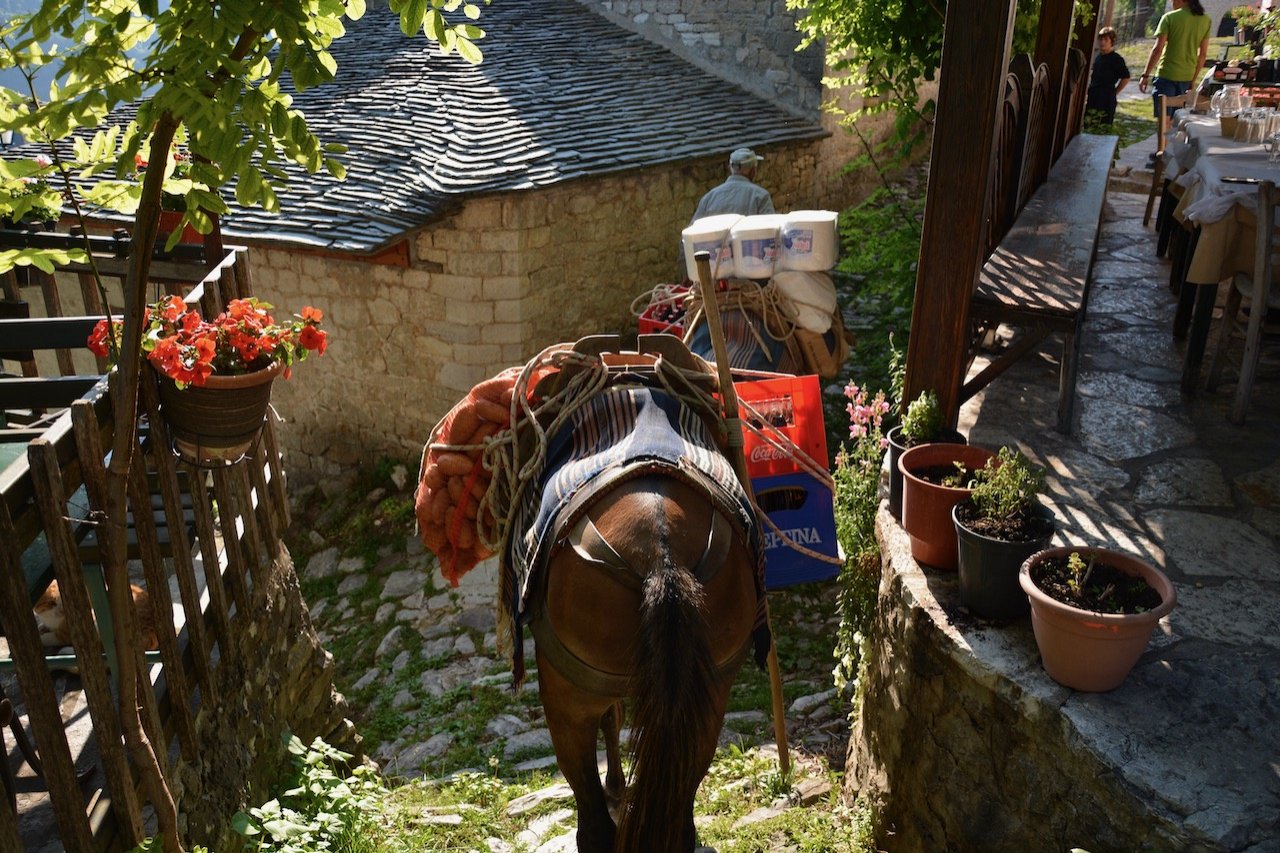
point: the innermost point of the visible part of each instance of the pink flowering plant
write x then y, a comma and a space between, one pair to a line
857, 499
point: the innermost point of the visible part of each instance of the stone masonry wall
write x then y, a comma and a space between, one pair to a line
956, 755
488, 288
750, 42
277, 679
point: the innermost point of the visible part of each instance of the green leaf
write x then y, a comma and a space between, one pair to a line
243, 824
436, 28
249, 186
469, 51
412, 16
355, 9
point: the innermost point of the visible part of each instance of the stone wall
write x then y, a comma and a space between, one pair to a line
749, 42
489, 287
963, 744
277, 679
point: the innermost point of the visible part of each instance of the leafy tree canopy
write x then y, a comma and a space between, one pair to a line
884, 51
214, 70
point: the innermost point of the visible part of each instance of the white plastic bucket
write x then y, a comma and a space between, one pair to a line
809, 241
814, 297
755, 245
710, 234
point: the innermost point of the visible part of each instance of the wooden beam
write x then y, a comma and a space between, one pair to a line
1052, 40
975, 54
1084, 37
1086, 31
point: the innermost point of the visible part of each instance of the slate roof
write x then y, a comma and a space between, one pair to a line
562, 94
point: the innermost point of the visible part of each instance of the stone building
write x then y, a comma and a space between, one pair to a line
492, 210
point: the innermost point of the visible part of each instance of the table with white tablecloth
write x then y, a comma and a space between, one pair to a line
1215, 179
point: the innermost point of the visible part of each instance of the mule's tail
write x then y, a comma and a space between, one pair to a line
675, 726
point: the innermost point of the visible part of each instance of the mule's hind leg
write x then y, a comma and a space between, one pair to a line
574, 718
613, 780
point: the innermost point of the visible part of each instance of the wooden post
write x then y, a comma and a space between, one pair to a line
1084, 37
975, 54
729, 400
1052, 40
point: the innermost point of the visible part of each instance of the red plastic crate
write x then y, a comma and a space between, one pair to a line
794, 404
650, 325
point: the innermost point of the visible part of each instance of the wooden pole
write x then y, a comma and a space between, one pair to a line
975, 59
729, 399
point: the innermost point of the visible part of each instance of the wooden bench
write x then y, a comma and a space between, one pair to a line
1037, 279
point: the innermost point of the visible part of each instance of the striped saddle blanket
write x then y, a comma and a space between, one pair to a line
626, 430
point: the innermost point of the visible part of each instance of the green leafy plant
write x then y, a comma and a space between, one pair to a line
884, 53
1078, 571
923, 420
1005, 487
25, 192
1248, 17
325, 808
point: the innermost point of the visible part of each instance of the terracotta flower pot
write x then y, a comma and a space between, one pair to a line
896, 448
216, 423
169, 220
1092, 651
926, 506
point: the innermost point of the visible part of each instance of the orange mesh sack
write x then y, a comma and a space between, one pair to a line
452, 480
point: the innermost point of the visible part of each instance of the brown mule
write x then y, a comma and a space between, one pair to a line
650, 598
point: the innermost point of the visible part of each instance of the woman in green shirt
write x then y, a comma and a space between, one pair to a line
1182, 41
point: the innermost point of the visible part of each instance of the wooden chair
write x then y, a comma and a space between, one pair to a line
1167, 104
1262, 297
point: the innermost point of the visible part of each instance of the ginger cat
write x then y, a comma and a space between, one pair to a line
55, 633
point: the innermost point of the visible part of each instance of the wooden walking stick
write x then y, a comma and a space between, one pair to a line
729, 399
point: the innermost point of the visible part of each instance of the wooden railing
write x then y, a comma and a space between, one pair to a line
198, 540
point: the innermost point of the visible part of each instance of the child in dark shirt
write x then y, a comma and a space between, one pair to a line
1110, 76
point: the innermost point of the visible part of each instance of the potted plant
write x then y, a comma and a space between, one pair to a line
214, 378
26, 198
921, 424
997, 527
1093, 610
936, 477
1248, 20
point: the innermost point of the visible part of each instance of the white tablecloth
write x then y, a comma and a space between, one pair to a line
1198, 158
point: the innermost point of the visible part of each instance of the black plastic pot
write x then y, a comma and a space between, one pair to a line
989, 569
896, 447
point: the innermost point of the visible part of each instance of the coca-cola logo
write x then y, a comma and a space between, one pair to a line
766, 453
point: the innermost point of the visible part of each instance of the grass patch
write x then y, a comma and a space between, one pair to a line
1134, 122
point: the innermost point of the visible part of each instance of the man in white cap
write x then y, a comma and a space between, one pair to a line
738, 194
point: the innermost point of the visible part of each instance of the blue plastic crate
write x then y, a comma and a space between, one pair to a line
803, 509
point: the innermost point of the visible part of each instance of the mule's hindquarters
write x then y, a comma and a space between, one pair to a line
653, 598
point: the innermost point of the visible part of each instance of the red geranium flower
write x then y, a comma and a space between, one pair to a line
243, 339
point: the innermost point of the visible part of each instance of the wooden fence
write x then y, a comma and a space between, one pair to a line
201, 539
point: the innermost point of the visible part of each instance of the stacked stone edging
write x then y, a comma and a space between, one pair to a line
963, 744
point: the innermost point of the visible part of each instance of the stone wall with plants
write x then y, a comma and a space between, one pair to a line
491, 285
276, 681
751, 42
957, 750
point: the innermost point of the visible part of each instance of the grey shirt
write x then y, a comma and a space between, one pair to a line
735, 195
